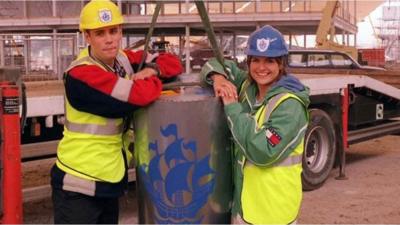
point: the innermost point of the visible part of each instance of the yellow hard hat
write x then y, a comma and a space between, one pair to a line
99, 13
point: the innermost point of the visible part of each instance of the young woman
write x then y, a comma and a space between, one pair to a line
267, 114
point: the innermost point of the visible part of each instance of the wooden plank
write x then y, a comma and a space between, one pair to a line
345, 71
389, 77
33, 164
44, 88
39, 149
44, 191
36, 193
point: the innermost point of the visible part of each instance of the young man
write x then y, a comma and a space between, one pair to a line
102, 88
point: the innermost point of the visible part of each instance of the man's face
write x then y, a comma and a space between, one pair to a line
105, 42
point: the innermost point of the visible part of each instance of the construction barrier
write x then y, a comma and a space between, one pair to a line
10, 190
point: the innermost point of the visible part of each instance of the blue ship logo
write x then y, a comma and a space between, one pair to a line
176, 197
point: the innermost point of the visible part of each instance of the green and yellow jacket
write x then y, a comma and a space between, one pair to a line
269, 139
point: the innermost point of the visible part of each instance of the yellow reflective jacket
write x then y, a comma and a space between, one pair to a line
91, 148
272, 194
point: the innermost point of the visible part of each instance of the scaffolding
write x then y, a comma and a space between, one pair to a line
389, 30
39, 56
47, 53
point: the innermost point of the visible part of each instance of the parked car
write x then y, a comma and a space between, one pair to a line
330, 59
199, 57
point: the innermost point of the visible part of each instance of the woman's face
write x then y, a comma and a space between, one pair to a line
263, 70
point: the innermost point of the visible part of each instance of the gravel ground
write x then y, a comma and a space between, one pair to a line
41, 212
368, 196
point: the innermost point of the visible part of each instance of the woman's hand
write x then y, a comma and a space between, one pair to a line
223, 87
229, 100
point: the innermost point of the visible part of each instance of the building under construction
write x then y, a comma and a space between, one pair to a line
349, 104
41, 37
388, 30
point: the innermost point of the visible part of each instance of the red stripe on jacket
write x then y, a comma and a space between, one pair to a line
143, 92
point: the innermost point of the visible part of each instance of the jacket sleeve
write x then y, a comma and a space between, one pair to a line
93, 90
168, 64
235, 74
275, 139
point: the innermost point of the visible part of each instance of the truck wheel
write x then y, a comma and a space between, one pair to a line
319, 150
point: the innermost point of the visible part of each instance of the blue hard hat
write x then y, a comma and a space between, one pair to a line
266, 41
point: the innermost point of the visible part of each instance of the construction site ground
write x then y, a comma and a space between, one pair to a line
368, 196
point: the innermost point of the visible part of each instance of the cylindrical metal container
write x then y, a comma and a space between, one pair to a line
183, 159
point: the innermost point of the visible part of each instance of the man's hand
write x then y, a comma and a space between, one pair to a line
223, 87
144, 73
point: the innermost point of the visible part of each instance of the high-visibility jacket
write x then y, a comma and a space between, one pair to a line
91, 153
92, 147
272, 194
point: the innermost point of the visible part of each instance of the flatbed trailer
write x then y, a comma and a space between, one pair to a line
344, 110
43, 120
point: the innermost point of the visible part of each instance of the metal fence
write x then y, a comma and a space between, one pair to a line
39, 56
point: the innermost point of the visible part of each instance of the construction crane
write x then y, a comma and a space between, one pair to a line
326, 27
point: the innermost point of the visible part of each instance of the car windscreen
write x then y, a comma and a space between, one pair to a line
340, 61
297, 60
318, 60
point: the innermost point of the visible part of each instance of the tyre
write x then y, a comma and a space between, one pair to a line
319, 150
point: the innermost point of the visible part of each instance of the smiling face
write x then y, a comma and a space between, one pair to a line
105, 43
264, 71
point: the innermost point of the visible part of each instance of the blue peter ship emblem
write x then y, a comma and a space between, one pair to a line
177, 180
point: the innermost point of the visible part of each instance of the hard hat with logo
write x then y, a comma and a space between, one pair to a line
266, 41
98, 14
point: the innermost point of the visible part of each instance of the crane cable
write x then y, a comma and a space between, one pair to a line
150, 34
210, 33
207, 27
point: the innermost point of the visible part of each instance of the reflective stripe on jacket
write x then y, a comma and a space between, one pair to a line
92, 145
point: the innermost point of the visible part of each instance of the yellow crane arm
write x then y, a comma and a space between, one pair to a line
326, 27
325, 24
